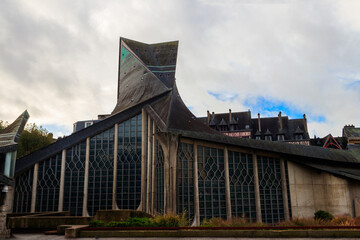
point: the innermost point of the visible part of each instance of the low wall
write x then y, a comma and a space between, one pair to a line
118, 215
45, 222
221, 234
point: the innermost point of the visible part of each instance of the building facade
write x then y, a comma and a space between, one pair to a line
240, 124
154, 155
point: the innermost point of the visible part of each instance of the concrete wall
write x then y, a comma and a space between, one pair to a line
312, 190
4, 210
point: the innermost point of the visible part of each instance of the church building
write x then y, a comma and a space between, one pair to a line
154, 155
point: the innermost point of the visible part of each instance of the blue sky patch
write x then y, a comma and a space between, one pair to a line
56, 129
262, 105
223, 97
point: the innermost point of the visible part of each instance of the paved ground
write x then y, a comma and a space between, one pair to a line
55, 237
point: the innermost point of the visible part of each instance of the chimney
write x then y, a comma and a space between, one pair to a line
208, 117
280, 121
230, 115
305, 123
213, 115
259, 122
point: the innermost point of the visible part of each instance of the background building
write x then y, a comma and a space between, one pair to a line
240, 124
154, 155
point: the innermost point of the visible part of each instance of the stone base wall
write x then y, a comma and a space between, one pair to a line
4, 210
312, 190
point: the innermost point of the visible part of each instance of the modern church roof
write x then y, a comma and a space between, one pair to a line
146, 80
11, 134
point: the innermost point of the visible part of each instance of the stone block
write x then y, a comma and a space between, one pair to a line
357, 207
305, 196
291, 172
319, 195
318, 178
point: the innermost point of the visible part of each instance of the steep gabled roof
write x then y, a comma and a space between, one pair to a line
330, 142
10, 135
147, 71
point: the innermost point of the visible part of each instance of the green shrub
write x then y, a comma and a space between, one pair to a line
138, 222
170, 221
323, 215
131, 222
96, 223
117, 224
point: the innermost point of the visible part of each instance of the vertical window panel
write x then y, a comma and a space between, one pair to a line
185, 180
101, 171
128, 190
212, 199
271, 198
242, 193
159, 178
74, 179
23, 191
48, 184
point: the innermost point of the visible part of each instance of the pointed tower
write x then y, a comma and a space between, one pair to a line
145, 71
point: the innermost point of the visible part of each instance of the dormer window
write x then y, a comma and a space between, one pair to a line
298, 137
88, 124
280, 137
258, 137
268, 138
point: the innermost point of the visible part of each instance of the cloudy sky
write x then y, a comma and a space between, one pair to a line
58, 59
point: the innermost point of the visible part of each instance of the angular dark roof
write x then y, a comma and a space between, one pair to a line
151, 74
241, 118
162, 103
341, 163
351, 132
331, 142
145, 71
10, 135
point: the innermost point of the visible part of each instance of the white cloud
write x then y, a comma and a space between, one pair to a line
59, 59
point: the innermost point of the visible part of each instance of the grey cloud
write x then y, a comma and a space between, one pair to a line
61, 56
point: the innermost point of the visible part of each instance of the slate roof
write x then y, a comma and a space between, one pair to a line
290, 127
351, 132
341, 163
10, 135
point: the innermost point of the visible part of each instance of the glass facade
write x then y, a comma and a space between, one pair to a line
271, 198
48, 185
101, 172
128, 190
212, 202
185, 180
74, 179
23, 191
242, 191
211, 179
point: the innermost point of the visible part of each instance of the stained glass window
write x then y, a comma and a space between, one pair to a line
159, 178
74, 179
23, 191
129, 164
101, 171
242, 193
270, 186
48, 185
211, 180
185, 180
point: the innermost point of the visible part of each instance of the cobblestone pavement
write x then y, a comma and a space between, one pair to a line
38, 236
